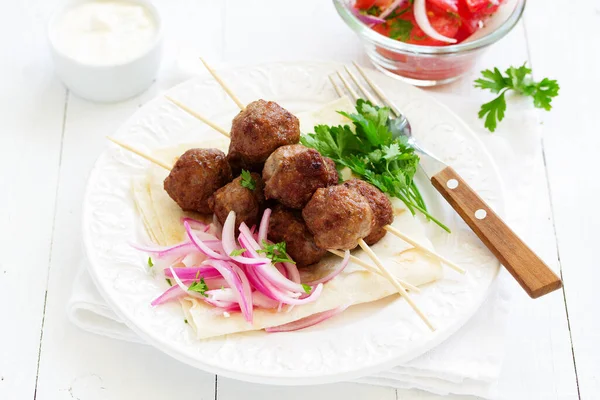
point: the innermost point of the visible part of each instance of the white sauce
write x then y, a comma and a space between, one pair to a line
105, 32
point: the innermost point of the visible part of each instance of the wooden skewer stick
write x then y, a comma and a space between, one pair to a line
374, 270
398, 286
140, 153
202, 118
424, 249
223, 85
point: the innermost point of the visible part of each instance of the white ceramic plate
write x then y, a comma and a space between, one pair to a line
363, 340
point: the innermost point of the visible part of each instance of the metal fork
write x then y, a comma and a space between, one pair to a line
524, 265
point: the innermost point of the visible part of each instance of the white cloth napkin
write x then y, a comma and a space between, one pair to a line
469, 362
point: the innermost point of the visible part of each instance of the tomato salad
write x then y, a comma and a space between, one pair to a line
426, 22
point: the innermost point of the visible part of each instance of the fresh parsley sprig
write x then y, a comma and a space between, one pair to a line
519, 80
374, 153
276, 252
247, 181
199, 287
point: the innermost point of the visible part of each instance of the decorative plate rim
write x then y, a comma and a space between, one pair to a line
274, 377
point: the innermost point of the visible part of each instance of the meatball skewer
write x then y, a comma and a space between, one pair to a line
380, 232
287, 217
194, 186
341, 217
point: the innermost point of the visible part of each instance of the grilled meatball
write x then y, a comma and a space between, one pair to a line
287, 225
338, 216
246, 203
293, 173
380, 204
257, 131
195, 177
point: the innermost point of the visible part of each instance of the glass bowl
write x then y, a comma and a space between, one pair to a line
425, 65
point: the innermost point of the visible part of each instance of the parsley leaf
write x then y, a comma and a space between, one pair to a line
150, 263
306, 288
400, 29
519, 80
276, 252
199, 287
169, 281
185, 321
237, 252
493, 112
374, 151
247, 181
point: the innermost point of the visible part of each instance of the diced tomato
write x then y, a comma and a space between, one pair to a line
445, 23
485, 7
366, 4
446, 5
457, 19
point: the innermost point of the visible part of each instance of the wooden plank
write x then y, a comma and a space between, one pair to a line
31, 110
571, 142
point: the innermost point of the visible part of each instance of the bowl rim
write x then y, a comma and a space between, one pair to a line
395, 45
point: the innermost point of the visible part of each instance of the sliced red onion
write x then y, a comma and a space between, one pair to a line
229, 245
256, 282
282, 298
391, 8
307, 321
191, 273
292, 272
179, 250
366, 18
263, 230
334, 273
263, 301
422, 21
253, 244
235, 283
171, 293
246, 290
270, 273
201, 245
281, 270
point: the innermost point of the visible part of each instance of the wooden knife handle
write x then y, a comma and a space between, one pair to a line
524, 265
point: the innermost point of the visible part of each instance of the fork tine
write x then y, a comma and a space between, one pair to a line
362, 89
376, 89
339, 91
348, 86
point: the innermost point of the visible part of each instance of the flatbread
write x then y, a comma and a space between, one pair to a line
353, 286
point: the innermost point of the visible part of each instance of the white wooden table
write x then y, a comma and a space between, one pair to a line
50, 139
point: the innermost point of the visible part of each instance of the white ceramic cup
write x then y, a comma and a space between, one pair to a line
108, 83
